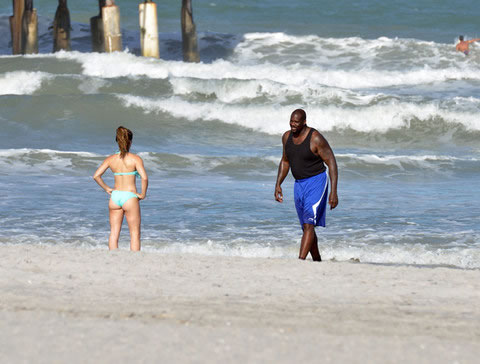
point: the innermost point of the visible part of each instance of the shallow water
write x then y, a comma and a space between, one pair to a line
398, 105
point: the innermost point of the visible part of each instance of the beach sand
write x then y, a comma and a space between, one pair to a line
72, 305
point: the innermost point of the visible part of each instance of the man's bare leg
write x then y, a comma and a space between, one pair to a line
309, 243
314, 249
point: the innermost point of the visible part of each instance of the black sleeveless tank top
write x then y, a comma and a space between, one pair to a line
303, 162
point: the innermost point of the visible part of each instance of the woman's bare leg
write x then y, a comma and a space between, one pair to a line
116, 219
132, 213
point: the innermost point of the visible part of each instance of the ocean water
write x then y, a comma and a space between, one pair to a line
380, 80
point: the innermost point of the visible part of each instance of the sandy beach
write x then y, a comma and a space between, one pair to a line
61, 304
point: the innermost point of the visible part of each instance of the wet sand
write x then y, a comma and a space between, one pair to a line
62, 304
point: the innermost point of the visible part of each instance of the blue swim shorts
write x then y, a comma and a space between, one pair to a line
310, 196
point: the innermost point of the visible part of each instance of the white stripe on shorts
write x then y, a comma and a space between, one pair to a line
314, 207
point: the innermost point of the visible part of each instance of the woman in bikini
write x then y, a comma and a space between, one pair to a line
124, 199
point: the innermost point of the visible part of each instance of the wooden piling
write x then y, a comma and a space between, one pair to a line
147, 12
16, 28
111, 27
96, 28
30, 29
61, 27
189, 33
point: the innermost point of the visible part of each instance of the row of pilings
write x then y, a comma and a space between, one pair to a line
105, 29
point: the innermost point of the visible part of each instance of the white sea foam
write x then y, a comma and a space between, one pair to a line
433, 163
28, 161
35, 161
22, 82
92, 85
117, 64
247, 116
234, 91
458, 253
402, 162
50, 152
399, 254
272, 118
226, 91
419, 255
351, 63
222, 249
352, 53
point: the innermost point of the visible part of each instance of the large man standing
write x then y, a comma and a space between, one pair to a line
306, 152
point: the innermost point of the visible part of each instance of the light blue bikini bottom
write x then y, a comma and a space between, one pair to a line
120, 197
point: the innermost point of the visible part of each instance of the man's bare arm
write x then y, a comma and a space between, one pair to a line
322, 149
283, 168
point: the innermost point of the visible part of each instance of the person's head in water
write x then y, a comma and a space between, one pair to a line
124, 139
298, 119
460, 38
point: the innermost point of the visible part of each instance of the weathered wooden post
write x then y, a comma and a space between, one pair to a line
111, 27
147, 12
16, 28
189, 33
61, 27
30, 29
96, 27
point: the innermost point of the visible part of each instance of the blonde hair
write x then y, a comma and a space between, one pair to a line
124, 140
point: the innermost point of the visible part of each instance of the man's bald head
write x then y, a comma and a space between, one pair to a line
301, 114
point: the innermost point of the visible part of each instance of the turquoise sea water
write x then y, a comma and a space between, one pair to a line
400, 108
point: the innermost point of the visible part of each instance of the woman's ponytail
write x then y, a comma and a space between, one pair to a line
124, 140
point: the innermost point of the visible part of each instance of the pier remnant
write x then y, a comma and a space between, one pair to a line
16, 27
96, 28
111, 27
30, 29
189, 33
24, 27
147, 12
61, 27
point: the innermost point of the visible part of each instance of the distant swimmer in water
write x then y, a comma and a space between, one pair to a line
463, 45
124, 199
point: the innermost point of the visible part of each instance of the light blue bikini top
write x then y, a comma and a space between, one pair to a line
135, 173
127, 173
